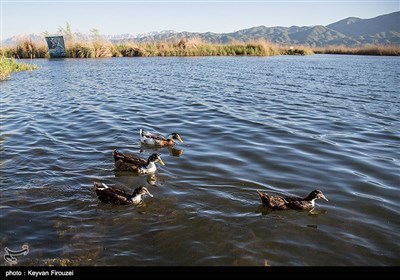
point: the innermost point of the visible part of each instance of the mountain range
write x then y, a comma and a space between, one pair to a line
351, 32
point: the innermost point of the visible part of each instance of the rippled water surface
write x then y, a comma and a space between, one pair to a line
282, 124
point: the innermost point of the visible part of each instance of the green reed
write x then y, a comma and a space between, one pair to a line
9, 65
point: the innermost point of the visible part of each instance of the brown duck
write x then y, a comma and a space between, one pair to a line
291, 202
118, 196
155, 139
135, 164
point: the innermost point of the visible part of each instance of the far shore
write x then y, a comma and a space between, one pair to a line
98, 48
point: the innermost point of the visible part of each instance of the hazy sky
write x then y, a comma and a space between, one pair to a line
136, 17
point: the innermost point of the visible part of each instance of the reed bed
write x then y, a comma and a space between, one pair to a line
381, 50
91, 49
26, 49
193, 47
9, 65
196, 47
98, 47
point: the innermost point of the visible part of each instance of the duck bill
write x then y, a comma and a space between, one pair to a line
161, 162
180, 139
149, 194
324, 198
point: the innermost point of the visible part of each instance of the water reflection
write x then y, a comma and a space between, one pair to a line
314, 212
125, 173
313, 226
175, 152
152, 179
171, 150
263, 210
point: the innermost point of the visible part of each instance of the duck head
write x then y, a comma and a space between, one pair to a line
155, 158
175, 136
141, 191
138, 193
316, 194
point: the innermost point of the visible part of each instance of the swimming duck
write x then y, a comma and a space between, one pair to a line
132, 163
155, 139
291, 202
119, 196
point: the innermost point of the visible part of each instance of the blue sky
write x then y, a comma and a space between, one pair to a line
136, 17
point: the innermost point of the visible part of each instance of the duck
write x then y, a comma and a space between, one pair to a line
154, 139
135, 164
118, 196
291, 202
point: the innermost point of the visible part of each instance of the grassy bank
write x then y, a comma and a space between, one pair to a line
98, 47
9, 65
193, 47
384, 50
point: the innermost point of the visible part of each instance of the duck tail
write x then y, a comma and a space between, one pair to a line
99, 186
141, 132
116, 153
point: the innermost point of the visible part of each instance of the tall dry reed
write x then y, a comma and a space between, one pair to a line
381, 50
26, 48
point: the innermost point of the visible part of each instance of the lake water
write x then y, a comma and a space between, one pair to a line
284, 125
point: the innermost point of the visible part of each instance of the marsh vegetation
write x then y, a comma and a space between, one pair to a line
9, 65
98, 47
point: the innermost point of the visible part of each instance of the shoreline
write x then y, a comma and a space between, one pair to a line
192, 48
101, 48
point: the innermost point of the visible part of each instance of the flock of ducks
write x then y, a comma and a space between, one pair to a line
137, 165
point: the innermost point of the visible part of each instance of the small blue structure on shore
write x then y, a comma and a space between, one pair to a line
56, 46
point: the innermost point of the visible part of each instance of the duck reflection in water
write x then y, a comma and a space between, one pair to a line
261, 209
171, 150
152, 179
